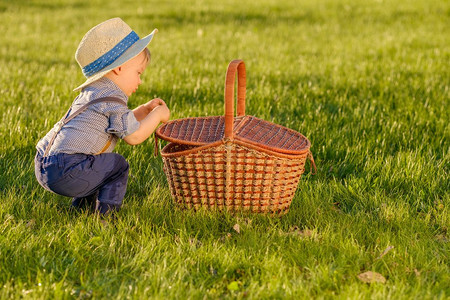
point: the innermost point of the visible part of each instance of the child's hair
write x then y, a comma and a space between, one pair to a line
148, 56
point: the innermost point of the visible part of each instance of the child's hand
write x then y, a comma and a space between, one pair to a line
152, 104
148, 120
163, 112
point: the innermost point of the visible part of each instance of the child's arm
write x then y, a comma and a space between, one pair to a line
149, 122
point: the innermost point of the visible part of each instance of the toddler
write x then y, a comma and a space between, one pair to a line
75, 158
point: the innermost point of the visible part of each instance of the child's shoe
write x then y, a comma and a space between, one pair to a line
105, 209
89, 202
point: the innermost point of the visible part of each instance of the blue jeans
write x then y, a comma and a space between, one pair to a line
102, 176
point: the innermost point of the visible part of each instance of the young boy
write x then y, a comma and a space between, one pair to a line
75, 158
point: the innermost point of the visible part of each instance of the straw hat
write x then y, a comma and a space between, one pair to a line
107, 46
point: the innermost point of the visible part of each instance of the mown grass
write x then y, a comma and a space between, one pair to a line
366, 81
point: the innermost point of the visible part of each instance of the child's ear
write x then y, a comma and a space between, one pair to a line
117, 70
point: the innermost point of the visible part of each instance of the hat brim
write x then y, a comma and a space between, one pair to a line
130, 53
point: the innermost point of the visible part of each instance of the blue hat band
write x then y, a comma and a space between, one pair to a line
110, 56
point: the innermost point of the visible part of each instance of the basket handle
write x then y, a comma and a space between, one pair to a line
313, 164
229, 94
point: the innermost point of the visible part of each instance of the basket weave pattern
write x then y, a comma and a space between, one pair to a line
203, 130
196, 131
233, 162
232, 177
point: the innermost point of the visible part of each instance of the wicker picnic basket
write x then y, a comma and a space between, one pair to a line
233, 163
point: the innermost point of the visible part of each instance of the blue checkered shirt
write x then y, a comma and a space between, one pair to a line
89, 132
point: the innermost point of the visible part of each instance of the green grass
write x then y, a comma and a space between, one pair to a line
366, 81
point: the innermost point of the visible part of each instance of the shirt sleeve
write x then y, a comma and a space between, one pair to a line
122, 121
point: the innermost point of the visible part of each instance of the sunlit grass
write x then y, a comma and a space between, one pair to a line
366, 81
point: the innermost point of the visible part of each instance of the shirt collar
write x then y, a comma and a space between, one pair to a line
104, 87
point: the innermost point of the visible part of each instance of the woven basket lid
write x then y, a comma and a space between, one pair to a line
203, 130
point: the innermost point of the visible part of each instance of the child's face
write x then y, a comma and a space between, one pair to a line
130, 76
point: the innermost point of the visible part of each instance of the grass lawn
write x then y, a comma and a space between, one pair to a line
366, 81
